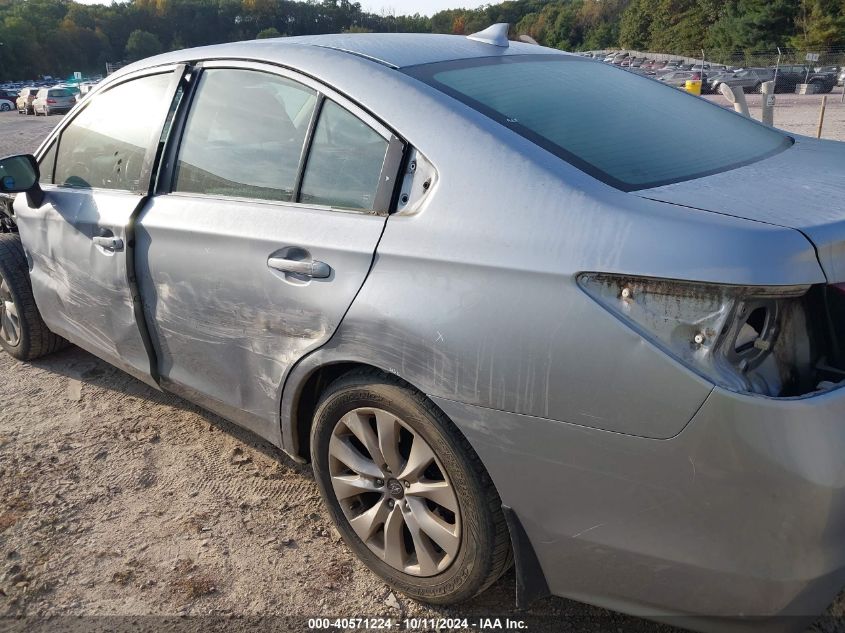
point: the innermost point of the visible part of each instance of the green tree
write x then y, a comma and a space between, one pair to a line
268, 33
142, 44
821, 24
55, 37
754, 25
635, 26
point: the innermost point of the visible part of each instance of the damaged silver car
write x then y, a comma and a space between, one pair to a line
501, 297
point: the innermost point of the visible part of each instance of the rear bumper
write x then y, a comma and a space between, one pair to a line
741, 514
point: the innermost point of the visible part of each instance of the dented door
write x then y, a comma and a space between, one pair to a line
79, 243
266, 229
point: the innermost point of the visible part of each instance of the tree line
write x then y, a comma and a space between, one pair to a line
57, 37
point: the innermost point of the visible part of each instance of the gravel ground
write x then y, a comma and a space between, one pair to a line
117, 500
800, 113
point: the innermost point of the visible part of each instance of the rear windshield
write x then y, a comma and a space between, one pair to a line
60, 92
626, 130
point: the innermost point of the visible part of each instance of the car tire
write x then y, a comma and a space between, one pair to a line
5, 107
474, 547
23, 333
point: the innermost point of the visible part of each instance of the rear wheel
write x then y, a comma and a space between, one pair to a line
406, 491
23, 333
5, 107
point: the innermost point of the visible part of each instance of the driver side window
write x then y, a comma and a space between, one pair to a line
105, 144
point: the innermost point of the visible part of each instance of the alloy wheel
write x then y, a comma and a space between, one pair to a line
394, 492
10, 325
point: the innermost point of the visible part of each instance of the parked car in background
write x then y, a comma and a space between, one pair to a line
790, 76
665, 69
25, 99
73, 89
840, 78
52, 101
714, 80
749, 79
615, 58
679, 78
84, 89
8, 101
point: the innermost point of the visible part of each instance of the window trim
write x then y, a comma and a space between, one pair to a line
389, 180
307, 81
306, 147
58, 132
53, 170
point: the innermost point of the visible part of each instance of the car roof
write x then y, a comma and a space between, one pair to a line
401, 50
396, 50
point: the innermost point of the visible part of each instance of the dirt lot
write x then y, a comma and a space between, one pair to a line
800, 113
117, 500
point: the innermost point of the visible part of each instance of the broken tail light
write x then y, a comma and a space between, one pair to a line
768, 340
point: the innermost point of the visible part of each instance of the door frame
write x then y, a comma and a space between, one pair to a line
149, 165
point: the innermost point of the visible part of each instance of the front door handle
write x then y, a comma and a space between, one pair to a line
308, 268
114, 244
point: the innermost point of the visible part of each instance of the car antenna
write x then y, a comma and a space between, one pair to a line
497, 35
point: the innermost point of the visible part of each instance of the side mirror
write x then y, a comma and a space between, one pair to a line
20, 174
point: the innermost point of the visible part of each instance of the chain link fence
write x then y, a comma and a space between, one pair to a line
833, 56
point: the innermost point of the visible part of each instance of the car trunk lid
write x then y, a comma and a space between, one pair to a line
802, 187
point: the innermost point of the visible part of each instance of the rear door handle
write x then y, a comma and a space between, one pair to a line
109, 243
308, 268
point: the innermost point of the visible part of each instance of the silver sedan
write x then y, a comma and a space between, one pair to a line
502, 297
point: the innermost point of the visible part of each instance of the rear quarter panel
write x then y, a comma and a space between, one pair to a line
473, 297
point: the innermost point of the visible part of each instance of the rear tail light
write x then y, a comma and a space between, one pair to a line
51, 101
769, 340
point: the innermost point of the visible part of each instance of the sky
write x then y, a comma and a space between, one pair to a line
398, 7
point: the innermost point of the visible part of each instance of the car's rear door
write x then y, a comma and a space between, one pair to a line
273, 195
96, 174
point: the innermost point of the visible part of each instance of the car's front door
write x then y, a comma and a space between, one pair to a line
96, 174
272, 200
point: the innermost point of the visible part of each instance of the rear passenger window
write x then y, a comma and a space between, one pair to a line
244, 135
345, 162
105, 145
